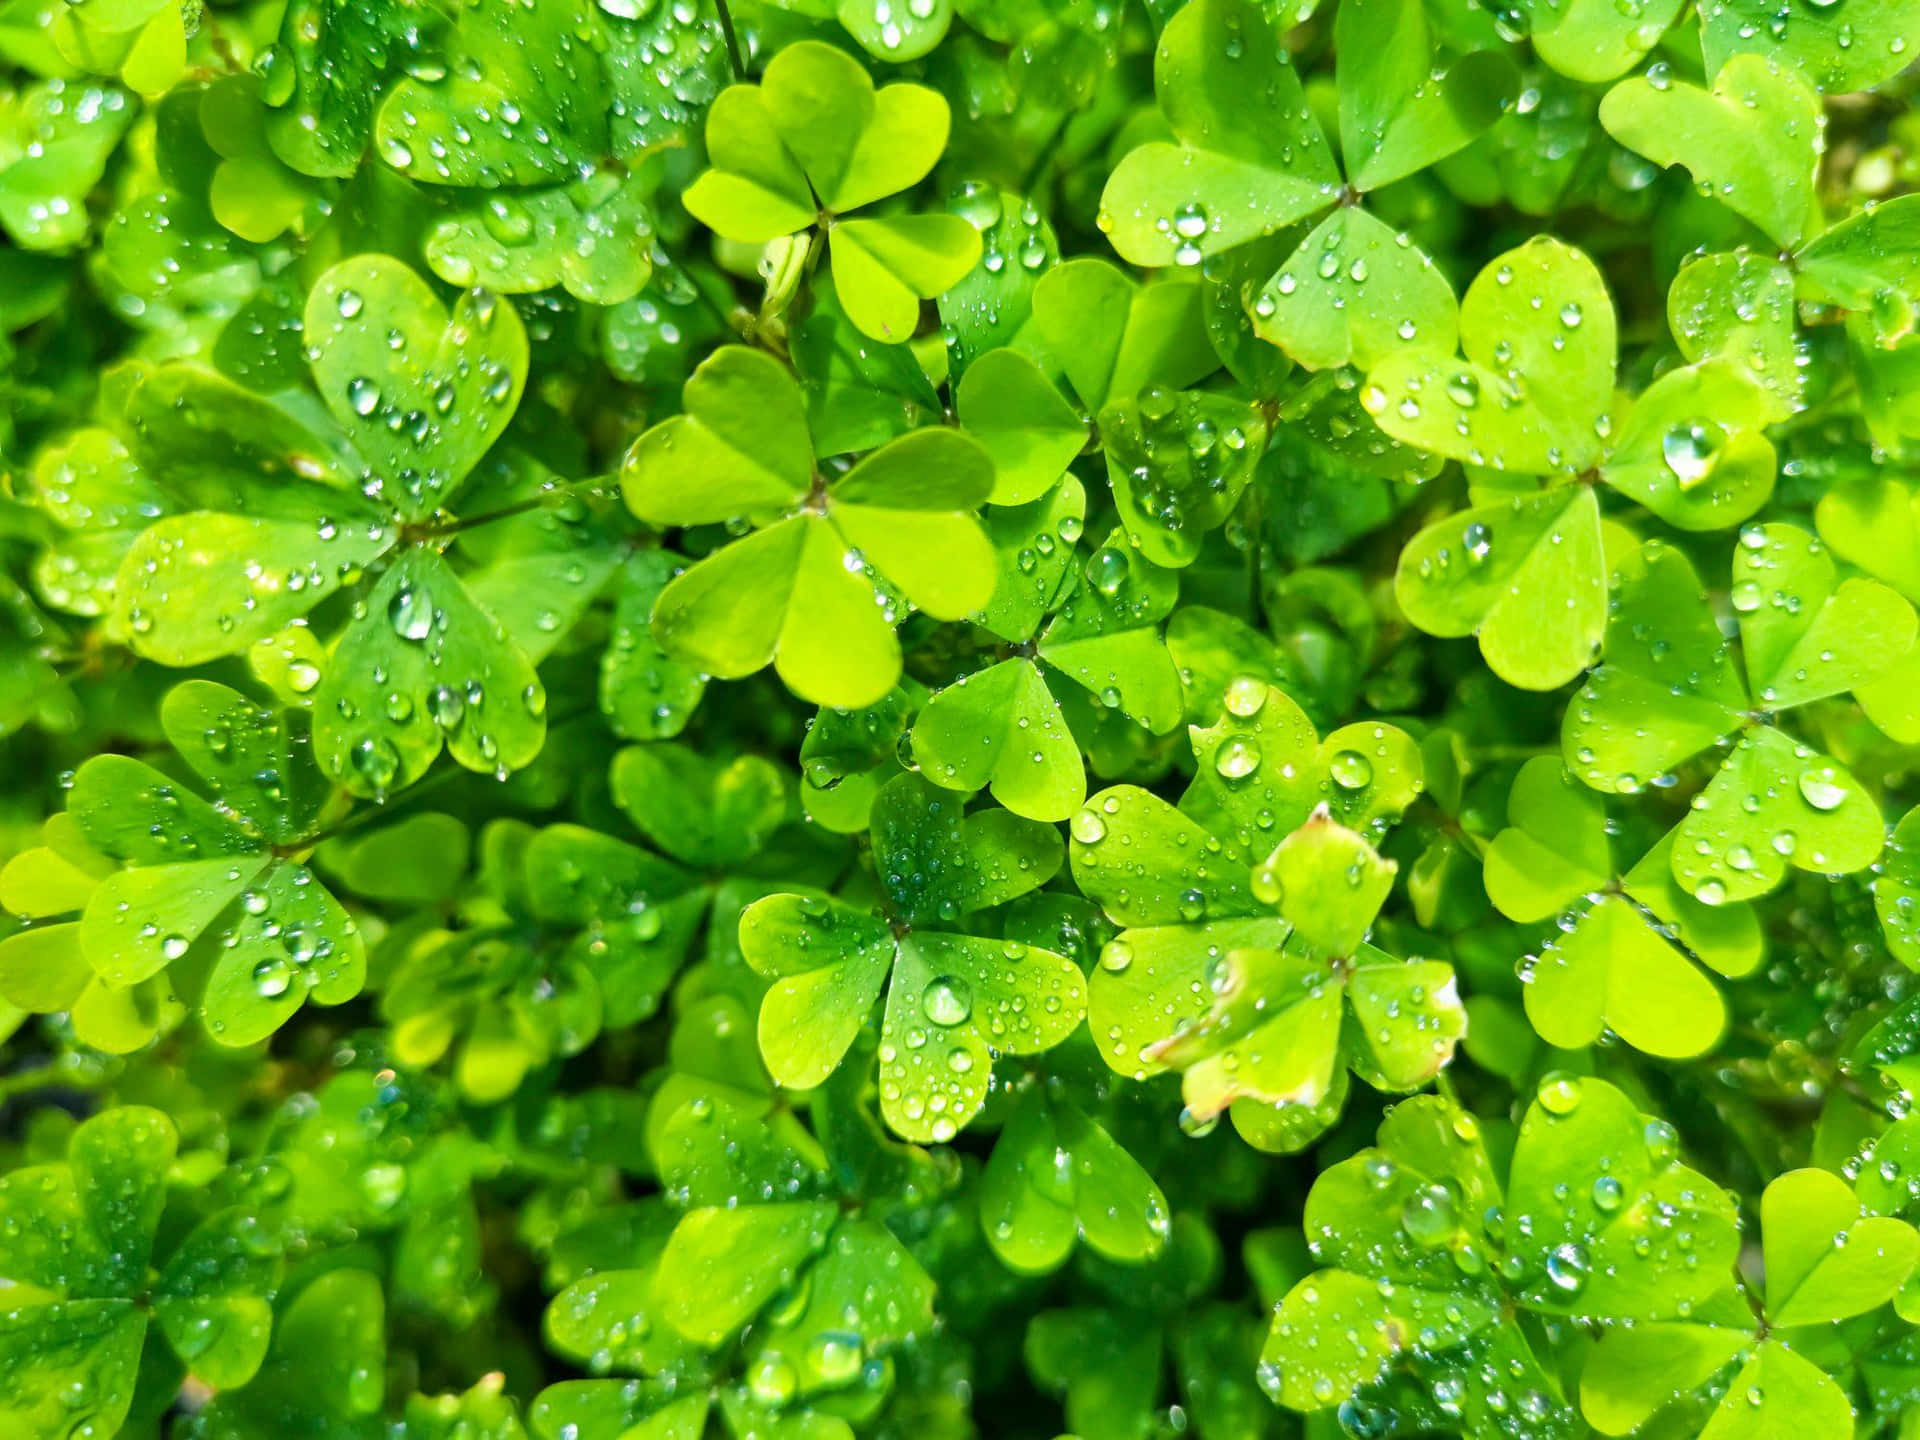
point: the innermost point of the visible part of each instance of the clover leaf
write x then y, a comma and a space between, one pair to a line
1661, 698
1867, 262
101, 499
522, 99
322, 77
1242, 170
1001, 728
1535, 396
1599, 1221
1593, 40
57, 140
210, 886
1055, 1175
1400, 1223
1624, 961
591, 236
1827, 1260
79, 1252
1824, 1260
713, 1279
1182, 884
1352, 291
1112, 338
417, 396
797, 594
1104, 629
1754, 140
1273, 1031
955, 1001
1836, 49
1896, 891
1739, 306
1178, 463
328, 1361
815, 141
1027, 429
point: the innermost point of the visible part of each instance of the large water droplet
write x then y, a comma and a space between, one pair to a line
947, 1000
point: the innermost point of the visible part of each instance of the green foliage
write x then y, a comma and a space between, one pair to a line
687, 687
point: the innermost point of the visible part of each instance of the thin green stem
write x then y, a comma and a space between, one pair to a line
733, 39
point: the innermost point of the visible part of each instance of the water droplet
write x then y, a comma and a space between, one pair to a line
947, 1000
1822, 789
1237, 758
1691, 450
1351, 770
1088, 828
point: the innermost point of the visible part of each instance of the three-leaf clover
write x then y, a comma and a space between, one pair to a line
1283, 1017
1825, 1258
798, 593
279, 515
1623, 961
1250, 159
1181, 882
166, 880
1428, 1262
1525, 570
1670, 689
955, 1001
814, 141
84, 1284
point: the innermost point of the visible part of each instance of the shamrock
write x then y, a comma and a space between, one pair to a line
1182, 883
101, 500
1599, 1222
159, 879
1896, 891
848, 755
1827, 1258
1284, 1014
1868, 263
815, 141
1669, 689
1738, 306
84, 1284
1593, 41
417, 397
673, 1291
327, 1366
1109, 1355
1177, 460
518, 117
1624, 963
1251, 160
141, 42
955, 1001
1092, 621
58, 137
1525, 570
798, 593
627, 915
511, 1003
1055, 1175
1838, 49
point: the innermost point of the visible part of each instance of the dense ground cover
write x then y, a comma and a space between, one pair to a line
929, 718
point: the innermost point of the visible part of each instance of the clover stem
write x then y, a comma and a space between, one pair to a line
1043, 157
434, 529
733, 39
